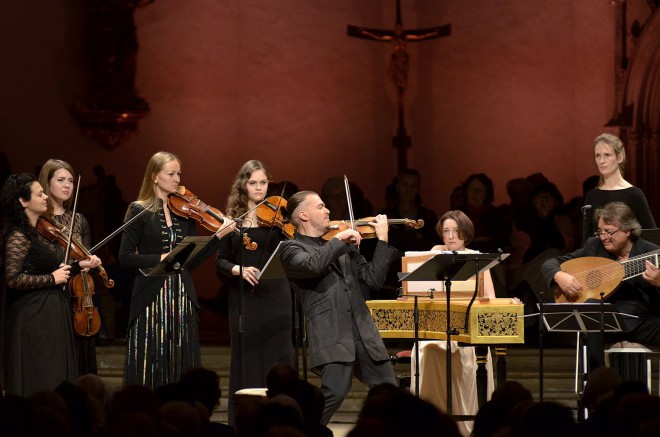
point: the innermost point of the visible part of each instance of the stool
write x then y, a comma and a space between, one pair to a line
402, 357
640, 369
246, 394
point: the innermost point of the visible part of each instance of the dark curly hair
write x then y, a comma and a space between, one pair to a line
17, 186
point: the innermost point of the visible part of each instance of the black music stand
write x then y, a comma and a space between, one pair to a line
595, 317
450, 266
583, 317
180, 257
273, 269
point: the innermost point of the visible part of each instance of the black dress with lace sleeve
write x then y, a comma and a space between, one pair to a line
40, 346
27, 260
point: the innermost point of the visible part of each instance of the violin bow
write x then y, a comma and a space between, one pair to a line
73, 220
279, 202
116, 231
349, 203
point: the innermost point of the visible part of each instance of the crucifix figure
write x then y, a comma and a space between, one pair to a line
397, 69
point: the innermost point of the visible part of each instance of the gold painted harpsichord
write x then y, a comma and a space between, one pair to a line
491, 322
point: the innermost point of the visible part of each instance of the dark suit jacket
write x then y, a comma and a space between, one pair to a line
634, 296
142, 244
327, 280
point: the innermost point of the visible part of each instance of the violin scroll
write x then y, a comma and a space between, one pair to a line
269, 214
415, 224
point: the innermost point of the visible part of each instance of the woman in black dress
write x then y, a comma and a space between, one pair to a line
56, 178
40, 344
610, 158
267, 310
162, 340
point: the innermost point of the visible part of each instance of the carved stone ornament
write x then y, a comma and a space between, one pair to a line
113, 108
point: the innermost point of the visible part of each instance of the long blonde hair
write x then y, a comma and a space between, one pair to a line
148, 197
237, 200
619, 150
46, 174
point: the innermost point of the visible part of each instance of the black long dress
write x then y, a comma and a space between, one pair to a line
162, 340
267, 312
40, 341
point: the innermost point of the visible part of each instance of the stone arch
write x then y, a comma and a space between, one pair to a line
641, 103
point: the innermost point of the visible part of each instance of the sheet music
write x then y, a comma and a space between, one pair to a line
439, 252
273, 268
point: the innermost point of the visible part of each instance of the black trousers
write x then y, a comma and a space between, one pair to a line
336, 378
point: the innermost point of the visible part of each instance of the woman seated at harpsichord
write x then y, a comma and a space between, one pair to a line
456, 230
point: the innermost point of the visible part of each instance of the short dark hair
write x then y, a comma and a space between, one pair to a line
550, 188
484, 179
465, 226
294, 203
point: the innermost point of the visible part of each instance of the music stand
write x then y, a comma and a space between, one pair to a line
580, 318
583, 317
273, 269
179, 258
450, 266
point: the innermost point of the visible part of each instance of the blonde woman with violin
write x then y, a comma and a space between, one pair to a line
268, 307
162, 340
40, 345
57, 179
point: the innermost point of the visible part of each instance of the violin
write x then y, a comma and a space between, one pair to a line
185, 204
55, 233
365, 228
269, 214
86, 318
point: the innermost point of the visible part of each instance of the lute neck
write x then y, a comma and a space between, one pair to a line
635, 266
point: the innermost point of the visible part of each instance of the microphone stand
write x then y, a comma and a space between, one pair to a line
416, 322
541, 327
601, 346
241, 307
586, 224
450, 332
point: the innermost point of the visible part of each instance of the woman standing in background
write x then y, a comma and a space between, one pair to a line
610, 157
57, 179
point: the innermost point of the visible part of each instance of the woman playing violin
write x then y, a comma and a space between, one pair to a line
267, 314
41, 348
56, 178
163, 328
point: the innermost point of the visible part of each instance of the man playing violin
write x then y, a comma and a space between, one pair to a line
341, 332
617, 238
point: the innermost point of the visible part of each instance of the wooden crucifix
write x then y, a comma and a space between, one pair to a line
397, 69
